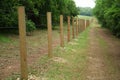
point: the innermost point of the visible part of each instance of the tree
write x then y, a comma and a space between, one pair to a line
35, 11
87, 11
107, 12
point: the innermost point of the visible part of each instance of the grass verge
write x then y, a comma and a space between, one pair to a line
68, 63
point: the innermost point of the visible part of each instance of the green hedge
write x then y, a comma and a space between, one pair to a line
108, 14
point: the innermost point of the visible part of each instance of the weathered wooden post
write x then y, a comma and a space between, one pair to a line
73, 28
84, 26
68, 28
23, 48
61, 32
77, 27
49, 25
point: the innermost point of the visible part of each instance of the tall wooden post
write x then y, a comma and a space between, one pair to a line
84, 24
23, 48
77, 27
68, 28
73, 28
49, 25
61, 32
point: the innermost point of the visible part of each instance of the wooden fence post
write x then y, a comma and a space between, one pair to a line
49, 25
77, 27
23, 48
61, 32
73, 28
68, 28
84, 24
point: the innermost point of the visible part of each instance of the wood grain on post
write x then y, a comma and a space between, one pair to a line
61, 32
68, 28
49, 26
23, 48
73, 28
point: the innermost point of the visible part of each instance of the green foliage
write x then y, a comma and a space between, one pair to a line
107, 12
8, 13
35, 11
30, 26
87, 11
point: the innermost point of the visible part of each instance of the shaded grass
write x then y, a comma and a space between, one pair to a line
4, 39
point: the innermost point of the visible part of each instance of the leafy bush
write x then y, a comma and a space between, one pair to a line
35, 11
30, 26
108, 14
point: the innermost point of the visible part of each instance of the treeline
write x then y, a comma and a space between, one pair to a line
108, 14
86, 11
35, 11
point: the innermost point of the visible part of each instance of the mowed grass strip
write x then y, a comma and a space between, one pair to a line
68, 63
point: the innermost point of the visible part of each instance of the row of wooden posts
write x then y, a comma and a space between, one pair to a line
78, 25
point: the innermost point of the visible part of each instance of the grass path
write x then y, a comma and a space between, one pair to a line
68, 63
104, 55
94, 55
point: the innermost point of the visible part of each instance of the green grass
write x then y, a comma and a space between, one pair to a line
70, 63
4, 39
